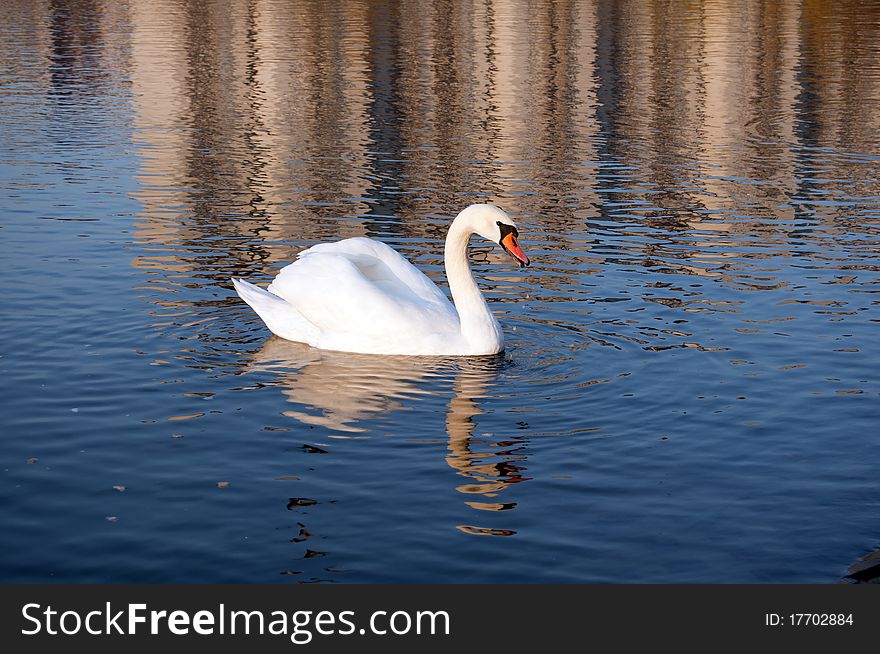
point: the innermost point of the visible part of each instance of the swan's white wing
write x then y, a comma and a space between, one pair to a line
359, 302
368, 254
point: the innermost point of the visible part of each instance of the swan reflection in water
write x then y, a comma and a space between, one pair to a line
347, 390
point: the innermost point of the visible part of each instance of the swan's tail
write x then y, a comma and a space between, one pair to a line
280, 316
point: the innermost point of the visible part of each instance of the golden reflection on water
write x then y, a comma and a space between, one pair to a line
300, 114
292, 118
346, 389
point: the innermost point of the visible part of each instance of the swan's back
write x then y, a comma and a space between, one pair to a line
363, 296
369, 255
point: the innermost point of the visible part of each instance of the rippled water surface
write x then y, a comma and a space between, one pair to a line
689, 391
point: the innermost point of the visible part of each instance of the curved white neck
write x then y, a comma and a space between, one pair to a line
479, 328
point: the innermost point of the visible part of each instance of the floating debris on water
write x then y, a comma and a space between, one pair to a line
302, 536
300, 501
485, 531
190, 416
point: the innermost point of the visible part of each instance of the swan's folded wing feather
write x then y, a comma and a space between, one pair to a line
369, 255
372, 311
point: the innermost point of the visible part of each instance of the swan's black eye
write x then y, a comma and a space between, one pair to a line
506, 229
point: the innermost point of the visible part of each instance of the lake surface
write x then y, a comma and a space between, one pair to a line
690, 387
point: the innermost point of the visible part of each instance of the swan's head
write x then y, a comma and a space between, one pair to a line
493, 224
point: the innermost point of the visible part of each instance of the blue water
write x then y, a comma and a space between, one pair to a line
689, 391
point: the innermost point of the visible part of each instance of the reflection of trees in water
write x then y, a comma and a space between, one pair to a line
344, 392
378, 98
709, 98
266, 117
84, 57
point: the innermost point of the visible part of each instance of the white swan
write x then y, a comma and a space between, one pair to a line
360, 295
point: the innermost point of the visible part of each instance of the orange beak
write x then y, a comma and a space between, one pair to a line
512, 248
